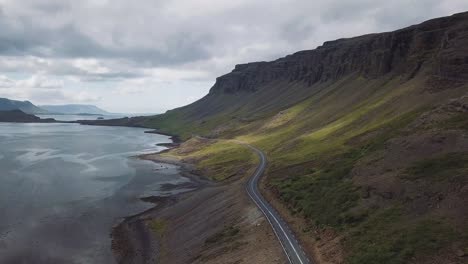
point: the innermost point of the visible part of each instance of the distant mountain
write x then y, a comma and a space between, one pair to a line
18, 116
25, 106
75, 109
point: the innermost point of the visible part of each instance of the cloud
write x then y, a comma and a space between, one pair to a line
43, 89
38, 82
86, 70
81, 96
5, 82
168, 33
33, 82
109, 47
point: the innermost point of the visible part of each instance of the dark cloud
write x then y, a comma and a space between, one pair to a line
25, 38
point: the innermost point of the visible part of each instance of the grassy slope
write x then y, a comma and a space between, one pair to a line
218, 160
237, 111
320, 158
313, 145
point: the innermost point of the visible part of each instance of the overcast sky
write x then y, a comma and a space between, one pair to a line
148, 56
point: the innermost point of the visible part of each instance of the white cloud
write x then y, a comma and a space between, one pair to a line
126, 89
44, 89
38, 82
5, 82
81, 96
92, 66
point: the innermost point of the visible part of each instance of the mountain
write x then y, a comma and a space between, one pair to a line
366, 138
18, 116
25, 106
431, 56
74, 109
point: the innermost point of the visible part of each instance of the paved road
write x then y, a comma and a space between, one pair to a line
291, 246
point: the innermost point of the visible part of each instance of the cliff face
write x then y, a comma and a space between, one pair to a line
428, 58
438, 46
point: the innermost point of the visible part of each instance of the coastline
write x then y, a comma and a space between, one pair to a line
133, 240
124, 179
204, 222
214, 223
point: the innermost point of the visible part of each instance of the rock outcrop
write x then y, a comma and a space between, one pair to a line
437, 46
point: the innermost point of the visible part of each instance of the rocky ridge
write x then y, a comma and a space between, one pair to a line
438, 46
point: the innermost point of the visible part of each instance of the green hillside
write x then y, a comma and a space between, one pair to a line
367, 140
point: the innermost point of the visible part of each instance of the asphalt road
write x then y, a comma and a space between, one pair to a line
291, 246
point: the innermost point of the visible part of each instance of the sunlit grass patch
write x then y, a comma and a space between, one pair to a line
217, 159
225, 159
285, 116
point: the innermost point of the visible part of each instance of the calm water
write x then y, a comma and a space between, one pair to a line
81, 117
87, 117
63, 186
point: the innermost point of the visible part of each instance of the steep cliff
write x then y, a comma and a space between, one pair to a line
434, 52
439, 46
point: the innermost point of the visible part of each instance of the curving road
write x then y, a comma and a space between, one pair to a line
291, 246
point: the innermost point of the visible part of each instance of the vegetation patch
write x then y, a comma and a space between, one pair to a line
227, 234
325, 195
447, 167
225, 159
457, 121
218, 160
177, 123
289, 145
158, 226
388, 238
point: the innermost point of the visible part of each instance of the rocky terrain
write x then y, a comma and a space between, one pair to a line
438, 46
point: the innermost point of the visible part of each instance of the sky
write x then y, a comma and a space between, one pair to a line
148, 56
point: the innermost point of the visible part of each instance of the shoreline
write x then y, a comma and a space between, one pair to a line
214, 223
203, 222
132, 240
